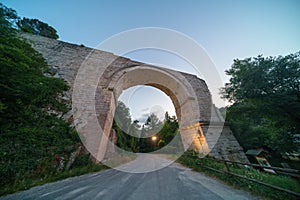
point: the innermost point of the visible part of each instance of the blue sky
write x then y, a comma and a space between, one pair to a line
226, 29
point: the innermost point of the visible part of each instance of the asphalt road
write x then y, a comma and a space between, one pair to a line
171, 182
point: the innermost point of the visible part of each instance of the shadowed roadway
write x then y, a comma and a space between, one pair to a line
171, 182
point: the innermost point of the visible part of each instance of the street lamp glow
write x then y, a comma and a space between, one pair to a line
154, 138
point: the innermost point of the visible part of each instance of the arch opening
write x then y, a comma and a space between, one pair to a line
172, 83
145, 120
144, 99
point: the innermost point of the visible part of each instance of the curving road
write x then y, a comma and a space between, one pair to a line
172, 182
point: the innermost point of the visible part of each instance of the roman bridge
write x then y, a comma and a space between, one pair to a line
97, 78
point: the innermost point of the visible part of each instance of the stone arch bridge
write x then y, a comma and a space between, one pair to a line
202, 127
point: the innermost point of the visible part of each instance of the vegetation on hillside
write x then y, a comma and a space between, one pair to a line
35, 142
37, 27
10, 22
265, 92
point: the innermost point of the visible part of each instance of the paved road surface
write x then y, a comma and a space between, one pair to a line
172, 182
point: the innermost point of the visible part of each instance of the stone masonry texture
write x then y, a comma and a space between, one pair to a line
197, 115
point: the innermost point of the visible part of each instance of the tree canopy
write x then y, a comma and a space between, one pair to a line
37, 27
32, 134
10, 19
137, 138
265, 92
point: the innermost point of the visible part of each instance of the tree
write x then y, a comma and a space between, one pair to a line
167, 134
265, 93
136, 138
164, 131
31, 131
7, 14
37, 27
122, 117
10, 22
169, 129
127, 130
8, 17
152, 125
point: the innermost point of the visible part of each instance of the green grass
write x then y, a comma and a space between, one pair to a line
28, 181
190, 160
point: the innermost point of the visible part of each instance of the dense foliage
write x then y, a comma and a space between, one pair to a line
37, 27
123, 125
265, 93
138, 138
34, 140
10, 19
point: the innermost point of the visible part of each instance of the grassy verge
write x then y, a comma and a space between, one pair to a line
29, 181
191, 161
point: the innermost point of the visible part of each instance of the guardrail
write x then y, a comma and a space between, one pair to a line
290, 172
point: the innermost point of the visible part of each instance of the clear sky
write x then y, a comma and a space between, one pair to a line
226, 29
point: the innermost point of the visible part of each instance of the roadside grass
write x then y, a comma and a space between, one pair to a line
192, 161
82, 165
28, 181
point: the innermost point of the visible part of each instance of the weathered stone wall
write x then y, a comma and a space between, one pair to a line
187, 92
227, 147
